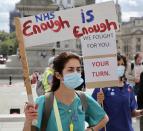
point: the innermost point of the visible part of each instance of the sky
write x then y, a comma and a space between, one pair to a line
130, 8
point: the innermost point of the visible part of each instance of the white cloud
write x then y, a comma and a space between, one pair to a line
130, 8
126, 15
4, 17
4, 21
133, 3
5, 7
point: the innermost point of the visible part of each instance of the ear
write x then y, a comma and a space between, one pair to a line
58, 76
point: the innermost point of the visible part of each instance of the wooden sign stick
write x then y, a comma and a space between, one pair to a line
24, 61
25, 67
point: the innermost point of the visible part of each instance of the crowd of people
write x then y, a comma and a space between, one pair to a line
107, 109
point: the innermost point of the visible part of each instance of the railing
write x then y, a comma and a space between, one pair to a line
13, 122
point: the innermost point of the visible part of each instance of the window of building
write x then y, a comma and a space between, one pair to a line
138, 39
126, 46
126, 49
66, 46
138, 47
138, 44
58, 44
68, 1
78, 45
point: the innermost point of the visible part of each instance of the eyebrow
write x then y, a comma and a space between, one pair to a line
74, 67
121, 63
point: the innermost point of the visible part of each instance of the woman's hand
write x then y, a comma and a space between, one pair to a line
141, 112
30, 112
91, 129
88, 129
100, 125
137, 113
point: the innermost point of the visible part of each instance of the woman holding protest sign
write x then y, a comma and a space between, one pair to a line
119, 102
68, 112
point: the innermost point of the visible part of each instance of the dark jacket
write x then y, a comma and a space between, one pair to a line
140, 97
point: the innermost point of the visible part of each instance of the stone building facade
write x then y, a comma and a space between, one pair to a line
130, 37
13, 14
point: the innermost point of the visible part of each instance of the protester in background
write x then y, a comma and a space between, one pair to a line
119, 102
37, 73
45, 82
34, 78
67, 76
82, 87
48, 75
140, 99
136, 68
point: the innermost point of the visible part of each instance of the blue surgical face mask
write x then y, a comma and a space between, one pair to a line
73, 80
120, 70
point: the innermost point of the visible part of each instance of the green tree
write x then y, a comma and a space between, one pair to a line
8, 44
3, 35
3, 49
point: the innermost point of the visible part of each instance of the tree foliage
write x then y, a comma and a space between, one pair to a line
8, 43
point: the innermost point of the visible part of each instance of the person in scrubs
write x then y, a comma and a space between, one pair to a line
118, 102
67, 76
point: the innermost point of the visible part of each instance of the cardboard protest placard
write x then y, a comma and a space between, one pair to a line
99, 44
68, 24
100, 72
100, 59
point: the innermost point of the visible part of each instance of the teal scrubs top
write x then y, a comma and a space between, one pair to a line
73, 112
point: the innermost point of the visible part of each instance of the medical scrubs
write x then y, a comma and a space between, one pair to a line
73, 112
119, 102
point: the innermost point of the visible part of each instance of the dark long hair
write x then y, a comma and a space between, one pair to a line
58, 65
121, 57
136, 56
141, 80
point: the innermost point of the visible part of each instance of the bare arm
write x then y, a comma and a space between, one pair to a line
100, 125
30, 115
27, 126
137, 113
